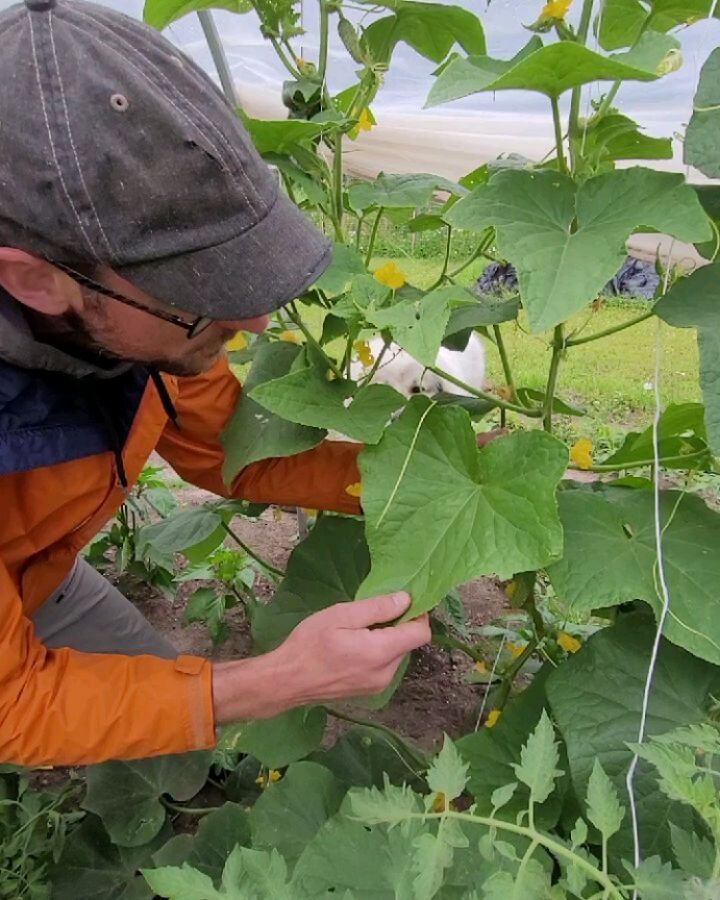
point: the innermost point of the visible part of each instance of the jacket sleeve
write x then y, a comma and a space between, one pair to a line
63, 707
316, 478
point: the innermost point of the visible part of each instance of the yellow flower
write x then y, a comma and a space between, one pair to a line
239, 342
481, 666
270, 777
510, 589
290, 336
364, 353
492, 718
354, 490
365, 123
568, 642
277, 513
515, 649
308, 511
555, 9
504, 392
581, 453
438, 804
390, 275
330, 375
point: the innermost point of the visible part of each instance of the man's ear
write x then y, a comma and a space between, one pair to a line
37, 284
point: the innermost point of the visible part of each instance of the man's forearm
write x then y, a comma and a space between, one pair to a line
255, 688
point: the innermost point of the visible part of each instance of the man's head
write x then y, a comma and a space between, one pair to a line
132, 167
123, 324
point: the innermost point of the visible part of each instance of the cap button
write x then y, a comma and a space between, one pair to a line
40, 5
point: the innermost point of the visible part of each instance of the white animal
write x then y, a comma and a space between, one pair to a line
406, 375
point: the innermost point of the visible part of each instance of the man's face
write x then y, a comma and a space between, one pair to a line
121, 332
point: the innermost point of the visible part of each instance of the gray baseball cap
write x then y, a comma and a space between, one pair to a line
115, 148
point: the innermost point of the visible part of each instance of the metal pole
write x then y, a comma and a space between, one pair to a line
218, 54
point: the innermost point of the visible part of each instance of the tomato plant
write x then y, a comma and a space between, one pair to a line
599, 780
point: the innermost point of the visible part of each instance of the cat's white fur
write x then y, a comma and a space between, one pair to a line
406, 375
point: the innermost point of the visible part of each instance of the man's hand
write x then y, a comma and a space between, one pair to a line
333, 654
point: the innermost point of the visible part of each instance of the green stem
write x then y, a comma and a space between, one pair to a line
504, 359
562, 165
269, 567
534, 413
358, 231
446, 261
295, 72
324, 31
558, 346
373, 236
188, 810
376, 365
509, 676
294, 316
479, 250
576, 342
642, 463
544, 840
415, 756
609, 97
573, 133
447, 642
337, 179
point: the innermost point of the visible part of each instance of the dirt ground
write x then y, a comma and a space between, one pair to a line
434, 697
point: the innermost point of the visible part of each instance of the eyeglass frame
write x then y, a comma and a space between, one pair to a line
193, 329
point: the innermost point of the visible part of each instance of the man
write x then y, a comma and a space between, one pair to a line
139, 231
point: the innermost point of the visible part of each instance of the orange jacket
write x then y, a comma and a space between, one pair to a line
62, 707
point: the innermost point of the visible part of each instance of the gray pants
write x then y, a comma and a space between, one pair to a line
87, 613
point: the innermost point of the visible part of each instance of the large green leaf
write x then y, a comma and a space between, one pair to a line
289, 813
309, 398
399, 191
702, 138
552, 69
365, 757
208, 850
283, 739
623, 21
253, 433
160, 13
596, 698
283, 135
429, 28
566, 242
417, 324
619, 524
92, 867
439, 511
126, 795
346, 264
694, 302
326, 568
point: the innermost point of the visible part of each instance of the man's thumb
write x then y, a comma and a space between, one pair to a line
376, 610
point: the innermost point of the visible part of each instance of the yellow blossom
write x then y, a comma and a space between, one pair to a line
481, 666
364, 353
330, 375
290, 336
239, 342
515, 649
390, 275
492, 718
581, 453
277, 513
510, 589
555, 9
568, 642
365, 123
308, 511
354, 490
504, 392
270, 777
438, 804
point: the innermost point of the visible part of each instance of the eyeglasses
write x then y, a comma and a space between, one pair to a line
193, 329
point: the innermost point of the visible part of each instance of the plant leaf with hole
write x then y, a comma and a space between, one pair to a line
619, 524
440, 512
567, 242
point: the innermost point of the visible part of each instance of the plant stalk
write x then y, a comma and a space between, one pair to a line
373, 236
269, 567
576, 342
562, 165
533, 413
415, 756
558, 347
504, 359
642, 463
294, 316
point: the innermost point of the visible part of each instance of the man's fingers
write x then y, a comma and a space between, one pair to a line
373, 611
401, 639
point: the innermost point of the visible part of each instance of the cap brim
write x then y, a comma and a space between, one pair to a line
254, 273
